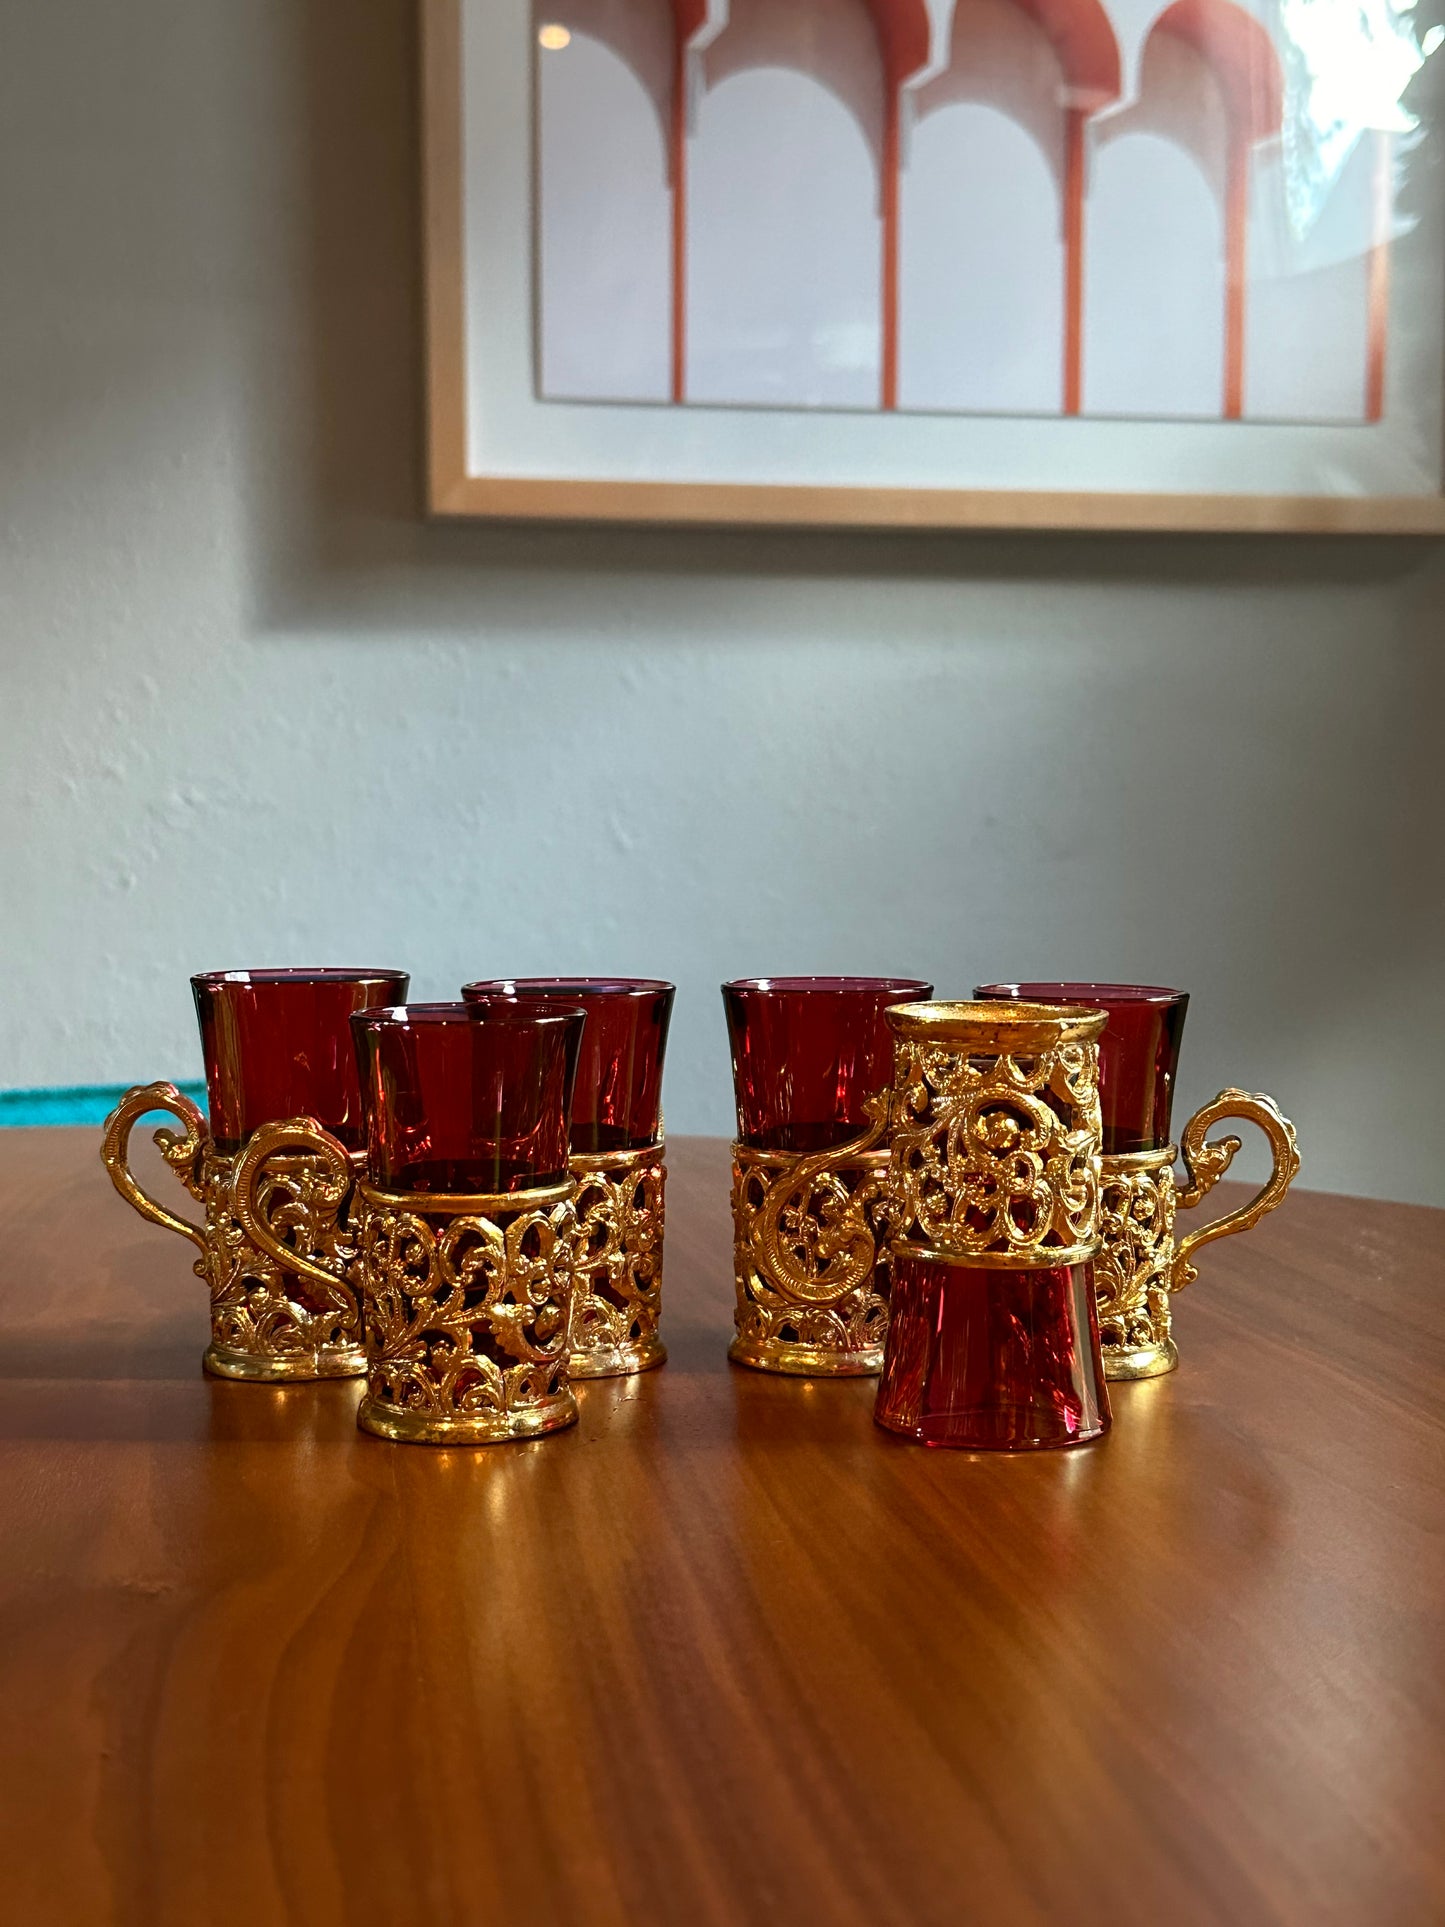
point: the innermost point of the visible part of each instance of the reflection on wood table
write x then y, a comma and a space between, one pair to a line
724, 1652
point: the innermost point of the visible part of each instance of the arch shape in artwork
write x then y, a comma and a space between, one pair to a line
982, 299
783, 261
1240, 53
639, 32
1083, 38
1154, 320
1049, 65
1237, 51
866, 53
603, 222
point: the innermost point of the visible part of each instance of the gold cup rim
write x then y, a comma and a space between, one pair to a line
1002, 1027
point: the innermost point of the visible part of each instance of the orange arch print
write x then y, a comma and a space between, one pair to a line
1242, 57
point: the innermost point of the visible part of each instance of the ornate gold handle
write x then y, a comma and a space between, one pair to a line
844, 1246
1207, 1163
181, 1152
249, 1183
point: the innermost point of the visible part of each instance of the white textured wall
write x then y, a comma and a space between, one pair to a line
255, 711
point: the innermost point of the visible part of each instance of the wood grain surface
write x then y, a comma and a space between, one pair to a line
724, 1652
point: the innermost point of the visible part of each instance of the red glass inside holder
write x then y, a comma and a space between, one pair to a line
276, 1044
467, 1097
808, 1052
1138, 1053
617, 1097
991, 1359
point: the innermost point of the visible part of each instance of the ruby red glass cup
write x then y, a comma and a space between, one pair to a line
1138, 1053
467, 1097
276, 1044
992, 1360
617, 1095
807, 1054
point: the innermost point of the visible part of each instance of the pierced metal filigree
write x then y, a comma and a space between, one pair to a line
617, 1296
467, 1315
1139, 1266
808, 1252
280, 1313
996, 1153
1136, 1256
274, 1320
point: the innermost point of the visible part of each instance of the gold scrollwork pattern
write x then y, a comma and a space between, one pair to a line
996, 1157
275, 1315
1136, 1255
466, 1317
1139, 1266
809, 1256
286, 1300
182, 1151
617, 1294
1206, 1164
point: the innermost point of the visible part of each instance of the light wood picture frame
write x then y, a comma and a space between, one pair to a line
470, 252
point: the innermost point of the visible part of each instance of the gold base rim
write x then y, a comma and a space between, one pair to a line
1141, 1361
780, 1161
465, 1428
618, 1361
1124, 1163
221, 1361
804, 1361
468, 1204
1028, 1258
592, 1164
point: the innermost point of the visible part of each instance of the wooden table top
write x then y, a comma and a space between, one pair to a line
724, 1652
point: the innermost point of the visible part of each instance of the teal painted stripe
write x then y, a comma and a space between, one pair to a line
81, 1104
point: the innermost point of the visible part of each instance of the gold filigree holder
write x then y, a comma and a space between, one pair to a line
617, 1294
272, 1321
1136, 1255
467, 1300
996, 1133
812, 1279
1139, 1267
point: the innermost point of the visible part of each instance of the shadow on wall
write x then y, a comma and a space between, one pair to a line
337, 412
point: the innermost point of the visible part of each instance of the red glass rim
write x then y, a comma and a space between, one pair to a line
808, 1055
907, 987
1082, 993
1138, 1054
277, 1044
467, 1098
617, 1095
514, 1012
536, 988
210, 979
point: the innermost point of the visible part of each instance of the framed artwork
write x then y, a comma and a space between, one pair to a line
1134, 264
